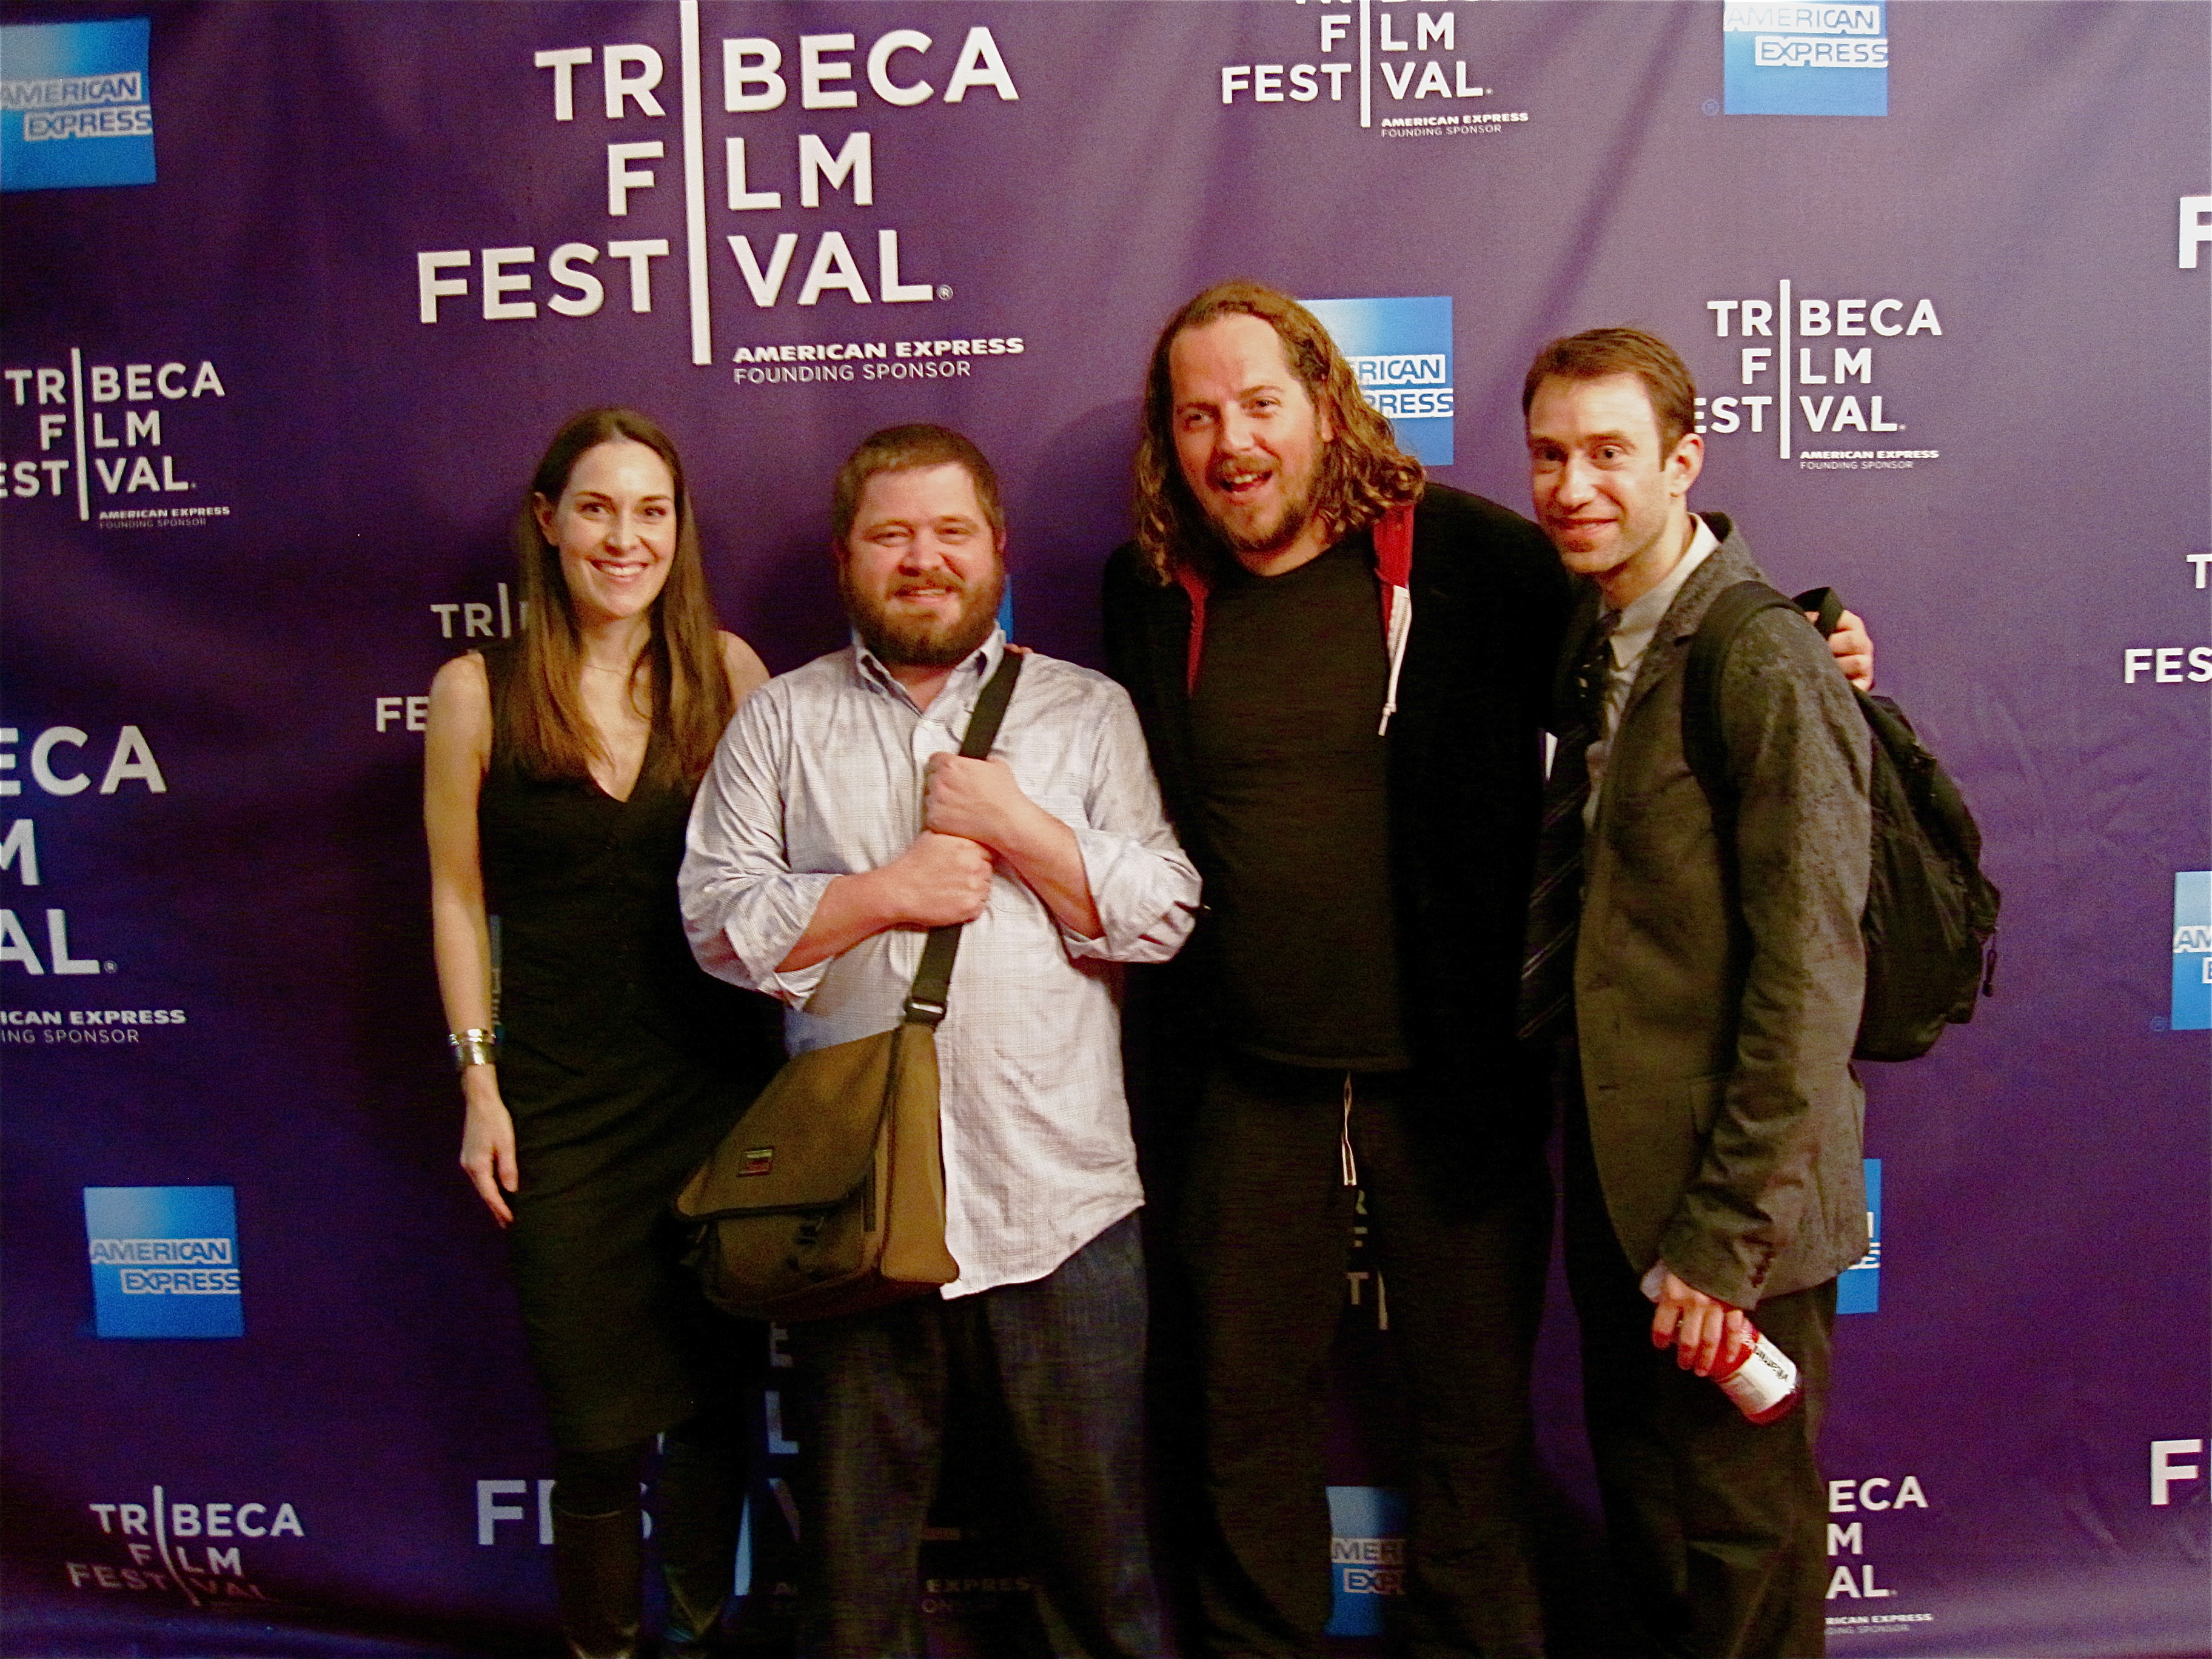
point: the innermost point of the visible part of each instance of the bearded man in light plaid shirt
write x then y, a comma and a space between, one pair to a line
838, 825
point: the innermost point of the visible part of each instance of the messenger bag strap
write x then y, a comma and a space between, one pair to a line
925, 1002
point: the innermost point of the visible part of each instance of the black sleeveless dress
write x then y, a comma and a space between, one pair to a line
623, 1064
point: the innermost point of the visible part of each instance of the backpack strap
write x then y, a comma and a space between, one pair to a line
1828, 607
1732, 609
925, 1000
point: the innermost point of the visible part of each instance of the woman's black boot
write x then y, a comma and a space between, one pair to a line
698, 1502
599, 1561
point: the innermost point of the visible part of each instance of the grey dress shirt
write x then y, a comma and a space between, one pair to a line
1637, 621
821, 774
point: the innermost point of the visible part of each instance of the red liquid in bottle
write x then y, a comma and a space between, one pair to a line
1763, 1382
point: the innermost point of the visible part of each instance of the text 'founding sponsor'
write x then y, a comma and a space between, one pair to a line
834, 361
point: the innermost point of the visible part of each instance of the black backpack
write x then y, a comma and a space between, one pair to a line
1931, 914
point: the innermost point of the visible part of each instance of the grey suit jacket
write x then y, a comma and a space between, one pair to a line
1716, 1001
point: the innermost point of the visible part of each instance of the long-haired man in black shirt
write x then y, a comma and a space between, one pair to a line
1342, 670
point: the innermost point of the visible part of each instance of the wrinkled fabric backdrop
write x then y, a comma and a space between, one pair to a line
265, 416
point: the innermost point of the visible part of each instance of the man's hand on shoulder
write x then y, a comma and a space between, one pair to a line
1852, 648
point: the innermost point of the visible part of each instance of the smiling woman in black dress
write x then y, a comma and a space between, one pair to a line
558, 776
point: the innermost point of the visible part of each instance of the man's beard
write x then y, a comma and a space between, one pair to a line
909, 641
1286, 528
1297, 512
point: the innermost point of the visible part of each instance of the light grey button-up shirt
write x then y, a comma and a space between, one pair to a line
1631, 638
821, 774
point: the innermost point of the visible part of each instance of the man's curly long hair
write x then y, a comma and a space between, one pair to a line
1362, 472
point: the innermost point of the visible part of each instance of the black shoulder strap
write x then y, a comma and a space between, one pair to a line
1826, 606
925, 1002
1702, 745
499, 659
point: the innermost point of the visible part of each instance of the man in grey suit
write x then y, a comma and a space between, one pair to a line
1702, 975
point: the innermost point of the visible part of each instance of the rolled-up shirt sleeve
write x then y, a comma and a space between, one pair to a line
743, 906
1143, 884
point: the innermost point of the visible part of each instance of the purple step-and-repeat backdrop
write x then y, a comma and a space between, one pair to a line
295, 293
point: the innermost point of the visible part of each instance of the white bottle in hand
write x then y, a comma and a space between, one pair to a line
1760, 1379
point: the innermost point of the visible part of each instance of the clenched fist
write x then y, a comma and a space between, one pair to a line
979, 799
982, 801
940, 879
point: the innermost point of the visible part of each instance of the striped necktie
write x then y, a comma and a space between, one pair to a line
1547, 970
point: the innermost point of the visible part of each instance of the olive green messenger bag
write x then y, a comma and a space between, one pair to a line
828, 1195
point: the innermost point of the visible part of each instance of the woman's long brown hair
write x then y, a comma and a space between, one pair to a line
539, 724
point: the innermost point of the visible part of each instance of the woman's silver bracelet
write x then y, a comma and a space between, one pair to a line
474, 1047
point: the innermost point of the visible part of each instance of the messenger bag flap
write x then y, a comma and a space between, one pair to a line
806, 1142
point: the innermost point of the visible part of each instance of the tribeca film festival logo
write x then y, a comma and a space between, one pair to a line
1803, 57
58, 765
1799, 402
2184, 664
746, 258
99, 435
74, 104
1401, 351
193, 1549
1395, 55
164, 1262
1855, 1587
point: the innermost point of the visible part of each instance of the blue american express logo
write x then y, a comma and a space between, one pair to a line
164, 1262
1367, 1556
75, 105
2193, 950
1793, 57
1401, 352
1859, 1288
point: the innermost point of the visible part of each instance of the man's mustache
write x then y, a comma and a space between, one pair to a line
949, 581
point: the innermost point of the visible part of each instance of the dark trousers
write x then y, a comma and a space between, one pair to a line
1059, 1362
1717, 1525
1267, 1234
